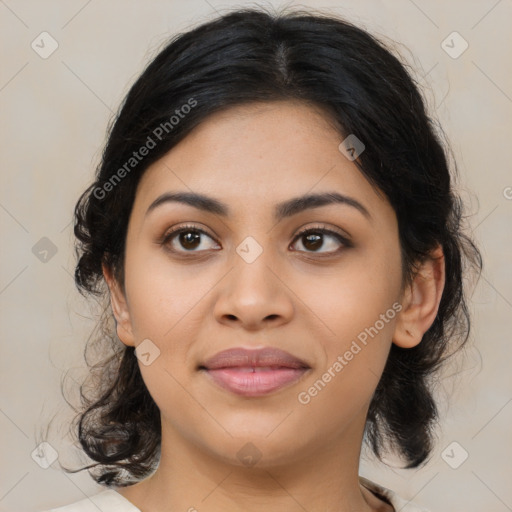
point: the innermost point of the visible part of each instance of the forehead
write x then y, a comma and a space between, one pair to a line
257, 155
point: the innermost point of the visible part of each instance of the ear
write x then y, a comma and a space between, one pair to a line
119, 308
421, 301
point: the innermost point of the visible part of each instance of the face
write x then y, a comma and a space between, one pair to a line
321, 281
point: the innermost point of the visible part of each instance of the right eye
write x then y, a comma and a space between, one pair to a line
189, 238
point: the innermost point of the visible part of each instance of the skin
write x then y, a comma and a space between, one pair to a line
192, 305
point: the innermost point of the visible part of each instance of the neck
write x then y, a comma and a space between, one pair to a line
190, 479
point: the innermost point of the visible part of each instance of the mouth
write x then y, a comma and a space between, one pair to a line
254, 373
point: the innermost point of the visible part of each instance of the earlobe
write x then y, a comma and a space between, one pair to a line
421, 301
119, 308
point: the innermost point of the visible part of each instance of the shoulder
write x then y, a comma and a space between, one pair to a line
106, 501
398, 503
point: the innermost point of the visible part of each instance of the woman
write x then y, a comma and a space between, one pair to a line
275, 226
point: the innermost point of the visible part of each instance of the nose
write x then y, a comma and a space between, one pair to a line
254, 296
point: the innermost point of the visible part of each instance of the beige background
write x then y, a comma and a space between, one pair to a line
54, 115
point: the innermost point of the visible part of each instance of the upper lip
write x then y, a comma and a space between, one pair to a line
264, 357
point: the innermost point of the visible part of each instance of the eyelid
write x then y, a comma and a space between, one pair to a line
323, 228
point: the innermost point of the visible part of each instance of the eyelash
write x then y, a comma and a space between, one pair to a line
168, 236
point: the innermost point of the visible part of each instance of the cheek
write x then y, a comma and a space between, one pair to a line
161, 294
354, 296
162, 301
360, 309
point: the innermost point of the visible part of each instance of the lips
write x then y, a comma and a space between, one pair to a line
254, 372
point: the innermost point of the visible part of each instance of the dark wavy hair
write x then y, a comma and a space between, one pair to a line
250, 55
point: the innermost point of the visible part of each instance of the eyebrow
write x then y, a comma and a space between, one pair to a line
282, 210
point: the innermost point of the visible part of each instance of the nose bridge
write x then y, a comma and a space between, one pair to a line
252, 273
253, 292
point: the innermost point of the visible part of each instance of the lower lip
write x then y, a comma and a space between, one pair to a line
241, 381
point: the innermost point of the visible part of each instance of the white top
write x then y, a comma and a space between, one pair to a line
111, 501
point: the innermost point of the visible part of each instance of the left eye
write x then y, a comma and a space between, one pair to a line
314, 239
